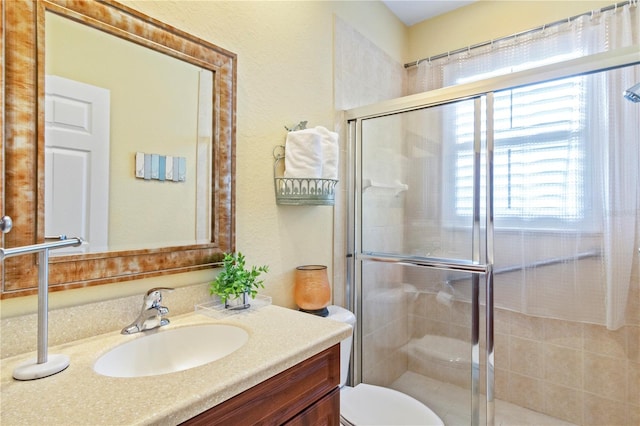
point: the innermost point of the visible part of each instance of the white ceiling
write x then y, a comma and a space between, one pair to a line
413, 11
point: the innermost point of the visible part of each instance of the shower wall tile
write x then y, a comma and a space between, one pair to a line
502, 321
526, 392
598, 339
435, 310
461, 333
563, 366
563, 403
385, 326
633, 387
501, 383
432, 317
633, 415
374, 374
456, 418
460, 377
527, 326
438, 328
502, 356
419, 306
633, 302
386, 353
564, 333
385, 306
598, 411
460, 313
374, 357
605, 376
633, 343
526, 357
396, 368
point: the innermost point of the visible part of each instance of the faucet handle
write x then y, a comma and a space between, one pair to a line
154, 296
152, 290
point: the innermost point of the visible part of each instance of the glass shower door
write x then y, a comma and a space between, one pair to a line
420, 262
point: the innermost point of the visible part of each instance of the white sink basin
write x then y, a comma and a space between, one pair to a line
170, 350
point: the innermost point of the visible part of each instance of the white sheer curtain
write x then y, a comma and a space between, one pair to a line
574, 270
619, 151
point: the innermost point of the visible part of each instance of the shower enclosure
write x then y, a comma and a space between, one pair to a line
438, 184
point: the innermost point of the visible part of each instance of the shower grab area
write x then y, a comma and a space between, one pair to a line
493, 238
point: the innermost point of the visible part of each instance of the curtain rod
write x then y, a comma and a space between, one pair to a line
540, 28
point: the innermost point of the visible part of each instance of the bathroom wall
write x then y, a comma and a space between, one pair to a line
285, 74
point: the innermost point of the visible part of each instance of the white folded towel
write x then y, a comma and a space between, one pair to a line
330, 152
312, 153
303, 154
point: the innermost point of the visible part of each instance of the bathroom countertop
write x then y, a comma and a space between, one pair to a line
278, 339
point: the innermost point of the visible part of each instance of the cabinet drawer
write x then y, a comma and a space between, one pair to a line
280, 398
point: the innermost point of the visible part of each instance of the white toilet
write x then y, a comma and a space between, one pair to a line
374, 405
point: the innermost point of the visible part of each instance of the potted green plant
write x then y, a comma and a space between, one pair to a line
236, 282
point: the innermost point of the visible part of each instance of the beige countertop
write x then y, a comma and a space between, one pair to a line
278, 339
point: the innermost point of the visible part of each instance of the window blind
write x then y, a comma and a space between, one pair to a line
539, 153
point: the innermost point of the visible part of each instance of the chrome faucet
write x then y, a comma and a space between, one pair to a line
152, 312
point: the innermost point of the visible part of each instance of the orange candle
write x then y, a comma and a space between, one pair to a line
312, 291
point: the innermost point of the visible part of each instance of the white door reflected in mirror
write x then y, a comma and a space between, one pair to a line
156, 104
77, 117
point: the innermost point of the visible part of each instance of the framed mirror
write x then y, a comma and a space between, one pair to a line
170, 101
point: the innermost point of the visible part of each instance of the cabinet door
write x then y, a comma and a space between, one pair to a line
325, 412
282, 397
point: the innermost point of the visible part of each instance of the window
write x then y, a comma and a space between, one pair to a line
539, 156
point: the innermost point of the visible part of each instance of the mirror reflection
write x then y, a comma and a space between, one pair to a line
181, 108
107, 99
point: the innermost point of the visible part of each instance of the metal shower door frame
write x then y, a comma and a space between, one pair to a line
475, 267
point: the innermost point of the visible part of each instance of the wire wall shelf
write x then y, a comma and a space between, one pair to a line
300, 191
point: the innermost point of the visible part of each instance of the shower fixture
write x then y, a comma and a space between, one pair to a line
633, 93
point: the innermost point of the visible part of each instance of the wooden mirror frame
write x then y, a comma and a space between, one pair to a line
22, 146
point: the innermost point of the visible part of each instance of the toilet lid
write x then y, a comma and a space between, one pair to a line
374, 405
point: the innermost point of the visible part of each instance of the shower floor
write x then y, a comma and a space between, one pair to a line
451, 403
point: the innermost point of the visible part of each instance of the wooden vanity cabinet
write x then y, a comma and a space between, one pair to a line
305, 394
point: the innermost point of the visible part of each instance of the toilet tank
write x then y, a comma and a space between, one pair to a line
338, 313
